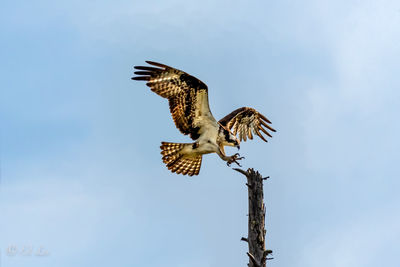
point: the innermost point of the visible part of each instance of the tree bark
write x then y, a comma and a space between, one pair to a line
258, 255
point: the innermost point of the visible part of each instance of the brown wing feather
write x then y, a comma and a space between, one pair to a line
245, 121
179, 88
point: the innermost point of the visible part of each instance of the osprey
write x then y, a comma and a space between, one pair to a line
188, 104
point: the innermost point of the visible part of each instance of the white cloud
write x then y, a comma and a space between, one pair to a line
62, 215
345, 114
363, 241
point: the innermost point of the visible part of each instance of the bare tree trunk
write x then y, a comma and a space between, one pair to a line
258, 255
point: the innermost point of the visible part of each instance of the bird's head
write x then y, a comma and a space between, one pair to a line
226, 138
233, 141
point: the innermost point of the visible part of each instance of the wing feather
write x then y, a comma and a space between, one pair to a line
245, 122
183, 92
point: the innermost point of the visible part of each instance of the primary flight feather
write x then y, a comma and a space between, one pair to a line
188, 103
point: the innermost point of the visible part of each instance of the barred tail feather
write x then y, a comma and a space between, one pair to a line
179, 162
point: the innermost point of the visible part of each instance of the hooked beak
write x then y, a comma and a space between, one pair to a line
238, 147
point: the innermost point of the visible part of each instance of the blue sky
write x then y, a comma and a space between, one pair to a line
81, 174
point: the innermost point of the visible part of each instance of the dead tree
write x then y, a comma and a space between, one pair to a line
258, 255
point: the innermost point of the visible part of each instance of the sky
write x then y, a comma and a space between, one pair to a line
82, 181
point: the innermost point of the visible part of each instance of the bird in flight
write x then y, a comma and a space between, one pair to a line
188, 104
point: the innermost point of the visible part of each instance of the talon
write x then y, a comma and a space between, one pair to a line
234, 159
237, 163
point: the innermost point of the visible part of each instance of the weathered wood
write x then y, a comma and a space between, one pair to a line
258, 255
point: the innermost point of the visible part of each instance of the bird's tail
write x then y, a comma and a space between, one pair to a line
177, 158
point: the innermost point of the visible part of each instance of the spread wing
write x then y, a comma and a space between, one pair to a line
187, 96
246, 122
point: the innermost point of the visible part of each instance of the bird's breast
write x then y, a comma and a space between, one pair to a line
207, 147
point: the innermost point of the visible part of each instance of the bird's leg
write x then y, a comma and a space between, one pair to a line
229, 160
221, 154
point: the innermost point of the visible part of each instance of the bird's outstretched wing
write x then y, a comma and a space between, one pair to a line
187, 96
246, 122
